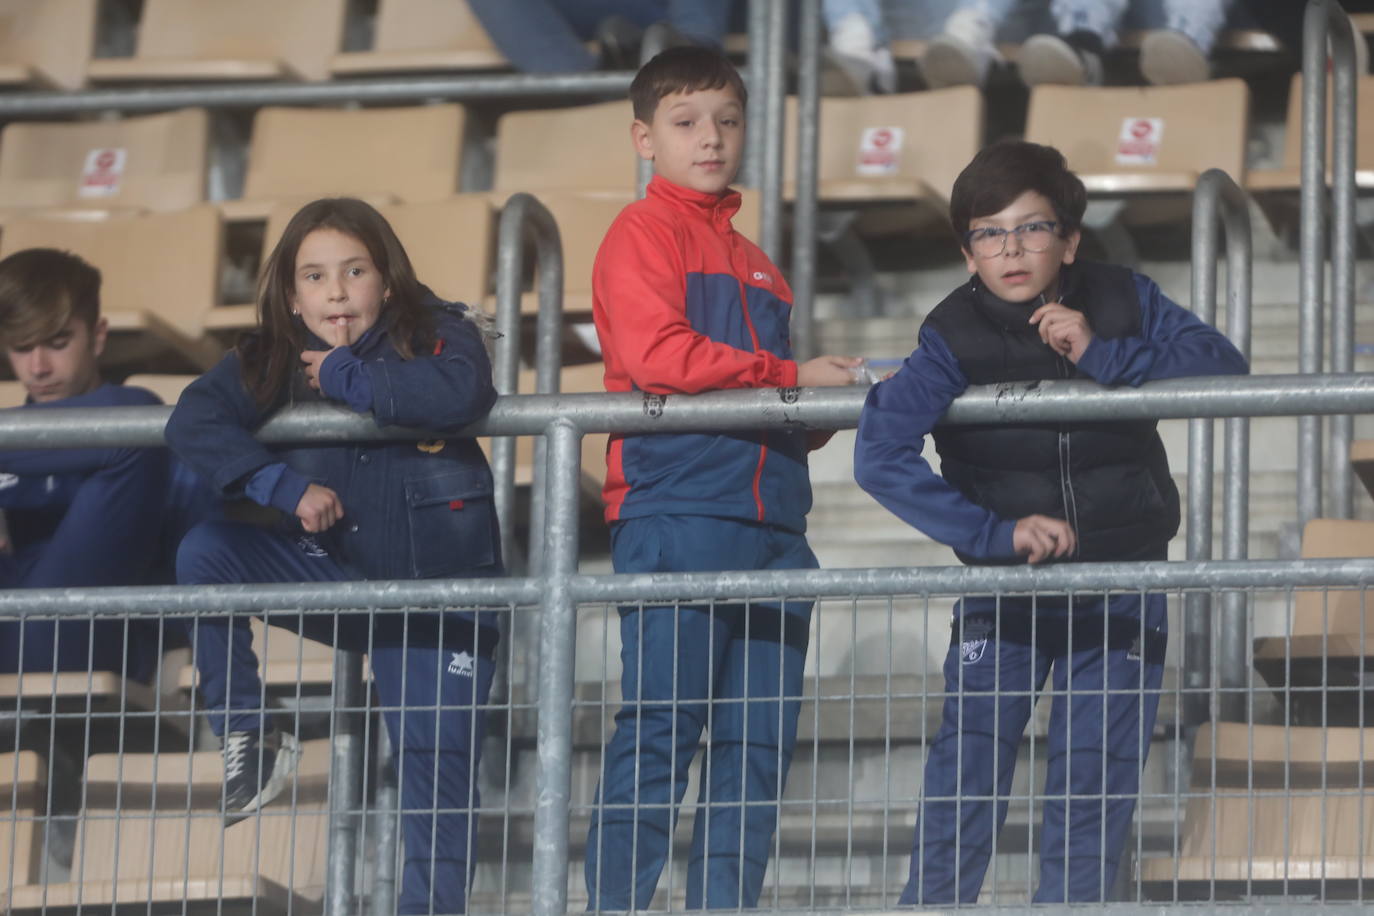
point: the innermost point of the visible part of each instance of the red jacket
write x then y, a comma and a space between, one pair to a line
683, 303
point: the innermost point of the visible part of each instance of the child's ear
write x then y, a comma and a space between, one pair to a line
99, 333
1071, 248
969, 260
643, 140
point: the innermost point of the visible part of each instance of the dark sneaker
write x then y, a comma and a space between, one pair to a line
256, 768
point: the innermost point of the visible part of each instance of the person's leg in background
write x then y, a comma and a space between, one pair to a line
432, 701
859, 43
1084, 30
991, 678
963, 52
1179, 52
1101, 723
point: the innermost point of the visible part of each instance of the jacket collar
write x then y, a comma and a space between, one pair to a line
716, 209
1014, 316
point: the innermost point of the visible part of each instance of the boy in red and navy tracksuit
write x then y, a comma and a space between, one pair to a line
683, 303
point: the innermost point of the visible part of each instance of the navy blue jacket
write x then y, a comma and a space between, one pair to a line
901, 411
411, 510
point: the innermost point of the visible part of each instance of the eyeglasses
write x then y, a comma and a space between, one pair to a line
1033, 237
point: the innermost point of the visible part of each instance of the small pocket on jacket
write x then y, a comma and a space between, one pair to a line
452, 523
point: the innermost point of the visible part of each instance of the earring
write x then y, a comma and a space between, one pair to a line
296, 313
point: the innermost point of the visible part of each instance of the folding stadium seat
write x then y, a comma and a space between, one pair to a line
592, 144
449, 242
192, 40
12, 394
1130, 140
154, 162
1287, 177
578, 379
23, 792
151, 834
160, 278
380, 154
1288, 807
46, 44
1362, 460
286, 662
1332, 637
422, 35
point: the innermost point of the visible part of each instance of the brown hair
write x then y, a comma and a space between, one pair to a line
683, 69
271, 352
1003, 171
41, 289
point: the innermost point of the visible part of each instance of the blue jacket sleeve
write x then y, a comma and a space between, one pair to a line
43, 462
897, 416
211, 429
445, 389
1173, 343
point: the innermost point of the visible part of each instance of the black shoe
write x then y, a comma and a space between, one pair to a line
619, 40
256, 768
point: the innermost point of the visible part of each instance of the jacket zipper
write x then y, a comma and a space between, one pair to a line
1066, 462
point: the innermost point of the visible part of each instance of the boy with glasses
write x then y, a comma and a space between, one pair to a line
1036, 492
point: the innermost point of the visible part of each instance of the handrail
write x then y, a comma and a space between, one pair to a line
1326, 19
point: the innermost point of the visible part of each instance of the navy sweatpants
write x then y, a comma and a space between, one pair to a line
734, 671
1107, 670
107, 534
431, 695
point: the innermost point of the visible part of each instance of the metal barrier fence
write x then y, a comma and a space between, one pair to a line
549, 814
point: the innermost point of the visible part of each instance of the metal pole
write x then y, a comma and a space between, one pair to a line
1312, 252
388, 804
557, 641
774, 127
345, 784
1343, 241
758, 83
805, 200
1216, 191
655, 42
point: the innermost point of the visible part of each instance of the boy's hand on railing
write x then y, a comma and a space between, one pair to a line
1039, 537
319, 508
1065, 331
827, 371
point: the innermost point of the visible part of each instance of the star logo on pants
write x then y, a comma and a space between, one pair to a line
461, 664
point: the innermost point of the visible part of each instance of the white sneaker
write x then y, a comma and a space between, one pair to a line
1168, 58
1049, 59
962, 55
853, 62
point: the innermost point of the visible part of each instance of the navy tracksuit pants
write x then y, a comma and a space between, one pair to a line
107, 533
734, 671
1106, 675
431, 695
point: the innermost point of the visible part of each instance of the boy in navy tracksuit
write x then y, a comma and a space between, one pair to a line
76, 517
1015, 493
343, 319
683, 303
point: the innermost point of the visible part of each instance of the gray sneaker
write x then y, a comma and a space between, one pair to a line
1169, 58
1049, 59
256, 769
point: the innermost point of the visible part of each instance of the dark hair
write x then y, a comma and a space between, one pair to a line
1005, 170
271, 352
41, 289
683, 69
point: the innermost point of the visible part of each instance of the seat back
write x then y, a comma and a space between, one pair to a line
411, 154
583, 148
426, 25
1335, 612
1144, 139
55, 38
302, 33
1364, 124
23, 781
156, 162
166, 264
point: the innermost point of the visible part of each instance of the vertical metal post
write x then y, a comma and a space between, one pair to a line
388, 803
345, 783
1197, 606
557, 638
653, 45
1343, 241
774, 127
757, 82
1216, 191
805, 201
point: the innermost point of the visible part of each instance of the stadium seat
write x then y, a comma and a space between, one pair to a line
449, 243
578, 379
153, 162
299, 154
1332, 633
165, 386
160, 278
151, 835
23, 790
1362, 460
1287, 804
286, 661
12, 394
1139, 140
46, 44
422, 35
582, 148
1288, 176
183, 41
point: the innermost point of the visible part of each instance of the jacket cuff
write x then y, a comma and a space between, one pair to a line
789, 374
344, 378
